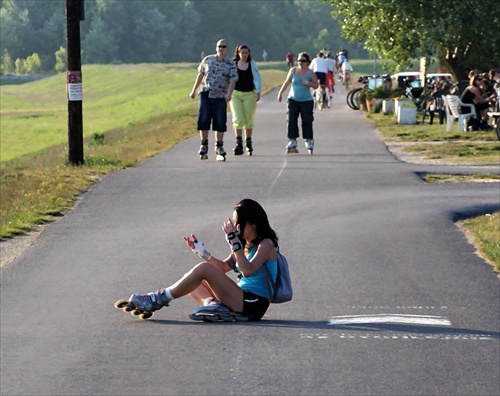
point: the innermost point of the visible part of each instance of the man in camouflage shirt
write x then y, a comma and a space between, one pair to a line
217, 75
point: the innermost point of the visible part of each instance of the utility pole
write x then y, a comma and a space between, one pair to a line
74, 13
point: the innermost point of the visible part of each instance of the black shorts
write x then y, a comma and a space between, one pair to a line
254, 306
321, 77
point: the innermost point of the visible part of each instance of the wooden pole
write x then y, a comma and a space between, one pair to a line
74, 82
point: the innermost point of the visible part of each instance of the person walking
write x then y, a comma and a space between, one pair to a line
290, 58
217, 75
246, 94
300, 102
253, 245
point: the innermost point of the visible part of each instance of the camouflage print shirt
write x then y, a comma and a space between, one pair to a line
216, 75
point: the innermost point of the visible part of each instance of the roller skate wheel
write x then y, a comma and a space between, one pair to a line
221, 158
203, 157
121, 303
210, 318
241, 318
135, 312
194, 316
146, 315
128, 308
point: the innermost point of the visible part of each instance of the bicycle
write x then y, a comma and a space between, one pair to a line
347, 80
369, 83
321, 100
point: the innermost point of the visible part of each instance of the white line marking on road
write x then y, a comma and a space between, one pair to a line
390, 318
285, 162
403, 336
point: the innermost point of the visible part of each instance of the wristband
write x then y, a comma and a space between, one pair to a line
234, 241
201, 250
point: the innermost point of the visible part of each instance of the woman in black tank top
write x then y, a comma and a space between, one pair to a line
245, 97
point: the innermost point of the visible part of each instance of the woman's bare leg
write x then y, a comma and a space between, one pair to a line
204, 278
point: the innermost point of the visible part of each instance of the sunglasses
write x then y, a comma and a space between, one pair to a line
222, 46
302, 60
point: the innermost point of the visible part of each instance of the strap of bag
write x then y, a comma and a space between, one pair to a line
269, 278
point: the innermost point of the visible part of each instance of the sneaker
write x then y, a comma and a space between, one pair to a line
149, 301
292, 144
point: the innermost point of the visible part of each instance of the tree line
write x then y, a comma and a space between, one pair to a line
165, 31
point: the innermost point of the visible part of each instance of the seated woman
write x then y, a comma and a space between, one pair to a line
472, 95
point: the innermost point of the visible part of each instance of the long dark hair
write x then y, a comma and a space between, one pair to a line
236, 56
250, 211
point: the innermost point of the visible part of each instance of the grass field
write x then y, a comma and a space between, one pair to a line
132, 112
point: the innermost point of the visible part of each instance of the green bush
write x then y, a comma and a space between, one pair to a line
382, 92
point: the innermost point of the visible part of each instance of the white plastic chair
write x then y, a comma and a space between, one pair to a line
452, 112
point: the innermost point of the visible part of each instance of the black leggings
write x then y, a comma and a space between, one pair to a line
305, 110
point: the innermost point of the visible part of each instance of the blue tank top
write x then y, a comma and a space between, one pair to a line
298, 91
256, 283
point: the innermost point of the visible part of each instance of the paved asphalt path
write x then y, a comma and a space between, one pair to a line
390, 298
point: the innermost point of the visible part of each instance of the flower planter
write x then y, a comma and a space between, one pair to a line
407, 115
377, 105
398, 103
388, 106
370, 104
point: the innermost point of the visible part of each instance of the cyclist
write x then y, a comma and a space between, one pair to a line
346, 72
319, 66
330, 79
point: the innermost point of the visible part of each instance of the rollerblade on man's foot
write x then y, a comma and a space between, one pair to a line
203, 150
220, 152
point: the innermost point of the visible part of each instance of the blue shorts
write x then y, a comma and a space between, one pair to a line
254, 306
212, 112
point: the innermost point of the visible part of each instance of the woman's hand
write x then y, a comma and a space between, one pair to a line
232, 232
190, 241
198, 247
228, 226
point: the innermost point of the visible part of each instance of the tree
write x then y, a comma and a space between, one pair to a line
7, 64
461, 34
32, 64
60, 56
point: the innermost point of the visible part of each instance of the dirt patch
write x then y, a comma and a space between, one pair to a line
10, 249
